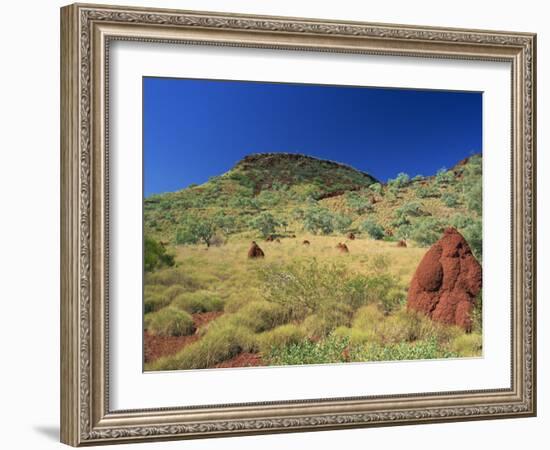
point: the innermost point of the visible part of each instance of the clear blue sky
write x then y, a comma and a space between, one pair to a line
195, 129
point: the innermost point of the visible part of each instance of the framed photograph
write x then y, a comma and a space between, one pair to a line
275, 224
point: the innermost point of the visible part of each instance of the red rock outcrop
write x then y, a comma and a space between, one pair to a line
447, 281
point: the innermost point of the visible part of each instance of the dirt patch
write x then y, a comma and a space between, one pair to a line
157, 346
242, 360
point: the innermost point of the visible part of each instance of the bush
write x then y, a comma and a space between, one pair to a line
401, 351
198, 302
318, 220
473, 184
260, 316
467, 345
410, 209
223, 341
264, 223
169, 277
444, 176
155, 255
368, 318
358, 203
373, 229
376, 188
154, 301
426, 231
449, 199
303, 288
426, 191
330, 350
279, 337
473, 234
400, 181
317, 326
341, 223
173, 291
170, 322
196, 229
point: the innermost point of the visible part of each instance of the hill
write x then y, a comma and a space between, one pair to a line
284, 194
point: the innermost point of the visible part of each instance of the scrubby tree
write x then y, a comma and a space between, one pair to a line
318, 220
449, 199
196, 229
341, 223
265, 223
225, 223
376, 188
426, 191
410, 209
426, 230
400, 181
473, 234
373, 229
444, 176
156, 255
358, 203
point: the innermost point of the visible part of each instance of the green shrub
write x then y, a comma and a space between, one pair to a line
198, 302
467, 345
373, 229
410, 209
400, 181
358, 203
405, 326
173, 291
264, 223
426, 231
444, 176
341, 223
449, 199
155, 255
170, 322
376, 188
368, 318
196, 229
426, 191
473, 234
260, 316
329, 350
318, 220
401, 351
355, 336
280, 337
319, 326
223, 341
153, 301
169, 277
303, 288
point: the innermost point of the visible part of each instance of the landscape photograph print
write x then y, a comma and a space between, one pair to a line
291, 224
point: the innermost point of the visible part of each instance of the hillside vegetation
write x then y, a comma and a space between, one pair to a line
303, 304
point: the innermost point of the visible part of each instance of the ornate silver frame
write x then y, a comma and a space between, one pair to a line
86, 31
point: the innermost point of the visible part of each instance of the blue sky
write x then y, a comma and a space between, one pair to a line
195, 129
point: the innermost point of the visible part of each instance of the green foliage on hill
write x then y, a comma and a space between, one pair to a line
156, 255
277, 193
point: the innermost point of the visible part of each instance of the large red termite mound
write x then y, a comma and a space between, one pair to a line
447, 281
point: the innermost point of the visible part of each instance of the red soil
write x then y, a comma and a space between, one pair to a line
157, 346
242, 360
